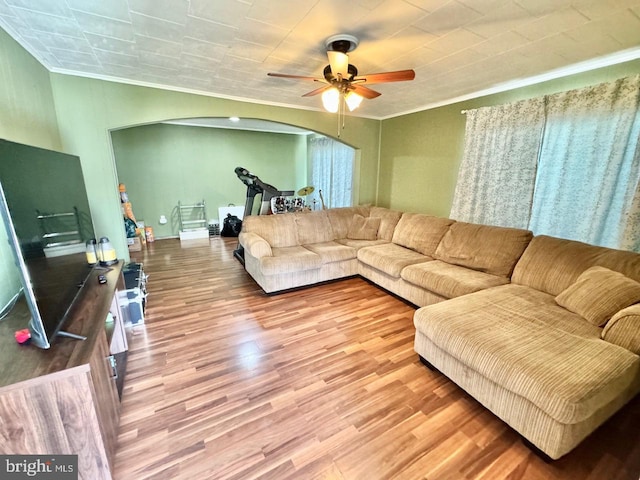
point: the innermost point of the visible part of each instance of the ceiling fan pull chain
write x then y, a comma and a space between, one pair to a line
339, 115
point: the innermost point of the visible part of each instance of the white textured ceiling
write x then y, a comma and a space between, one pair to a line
226, 47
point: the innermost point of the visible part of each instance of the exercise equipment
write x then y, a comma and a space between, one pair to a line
256, 186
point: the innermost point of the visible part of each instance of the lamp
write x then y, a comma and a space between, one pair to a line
331, 100
353, 100
335, 99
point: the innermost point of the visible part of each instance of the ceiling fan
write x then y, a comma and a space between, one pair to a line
341, 79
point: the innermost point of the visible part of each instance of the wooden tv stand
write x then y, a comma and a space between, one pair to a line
64, 400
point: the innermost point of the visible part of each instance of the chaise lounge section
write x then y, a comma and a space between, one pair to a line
544, 332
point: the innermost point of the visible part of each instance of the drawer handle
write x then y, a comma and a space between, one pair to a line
113, 364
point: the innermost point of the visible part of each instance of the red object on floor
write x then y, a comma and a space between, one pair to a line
23, 336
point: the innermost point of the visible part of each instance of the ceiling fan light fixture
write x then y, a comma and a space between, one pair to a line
331, 100
353, 100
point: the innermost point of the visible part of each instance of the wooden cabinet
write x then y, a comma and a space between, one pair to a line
63, 400
105, 396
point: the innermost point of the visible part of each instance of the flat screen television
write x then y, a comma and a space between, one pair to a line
44, 206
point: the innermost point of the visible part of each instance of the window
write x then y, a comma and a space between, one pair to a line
331, 166
583, 171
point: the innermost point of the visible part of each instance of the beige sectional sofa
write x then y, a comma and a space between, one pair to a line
544, 332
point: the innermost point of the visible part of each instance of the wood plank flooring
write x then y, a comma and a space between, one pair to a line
225, 382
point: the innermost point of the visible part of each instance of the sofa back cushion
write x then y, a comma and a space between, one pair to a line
364, 228
421, 233
485, 248
341, 219
278, 230
388, 221
552, 264
313, 227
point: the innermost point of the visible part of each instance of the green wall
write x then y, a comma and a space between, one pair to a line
89, 109
162, 164
420, 153
27, 115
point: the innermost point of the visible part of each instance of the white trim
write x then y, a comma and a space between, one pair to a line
190, 122
193, 91
581, 67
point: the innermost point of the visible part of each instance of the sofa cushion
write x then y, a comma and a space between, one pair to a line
364, 228
449, 280
390, 258
289, 260
421, 233
341, 218
388, 221
331, 252
313, 227
277, 230
485, 248
552, 264
497, 333
358, 244
598, 294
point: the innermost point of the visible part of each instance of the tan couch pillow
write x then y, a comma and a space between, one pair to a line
388, 221
598, 294
362, 228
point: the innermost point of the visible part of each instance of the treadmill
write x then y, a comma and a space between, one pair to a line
256, 186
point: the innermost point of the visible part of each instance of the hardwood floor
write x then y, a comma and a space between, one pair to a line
225, 382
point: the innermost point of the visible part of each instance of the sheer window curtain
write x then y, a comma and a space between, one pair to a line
580, 179
497, 174
589, 170
332, 166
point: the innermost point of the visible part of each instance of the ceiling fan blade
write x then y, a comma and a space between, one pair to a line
317, 91
399, 76
284, 75
364, 91
339, 63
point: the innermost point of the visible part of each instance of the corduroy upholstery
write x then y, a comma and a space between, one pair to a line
341, 219
623, 329
485, 248
390, 258
421, 233
585, 373
364, 228
388, 221
492, 317
598, 294
450, 280
552, 264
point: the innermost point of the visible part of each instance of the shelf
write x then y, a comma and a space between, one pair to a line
192, 217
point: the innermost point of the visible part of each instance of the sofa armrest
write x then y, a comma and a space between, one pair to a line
257, 246
624, 329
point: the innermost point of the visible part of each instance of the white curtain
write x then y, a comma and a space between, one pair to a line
589, 169
332, 166
566, 165
498, 169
